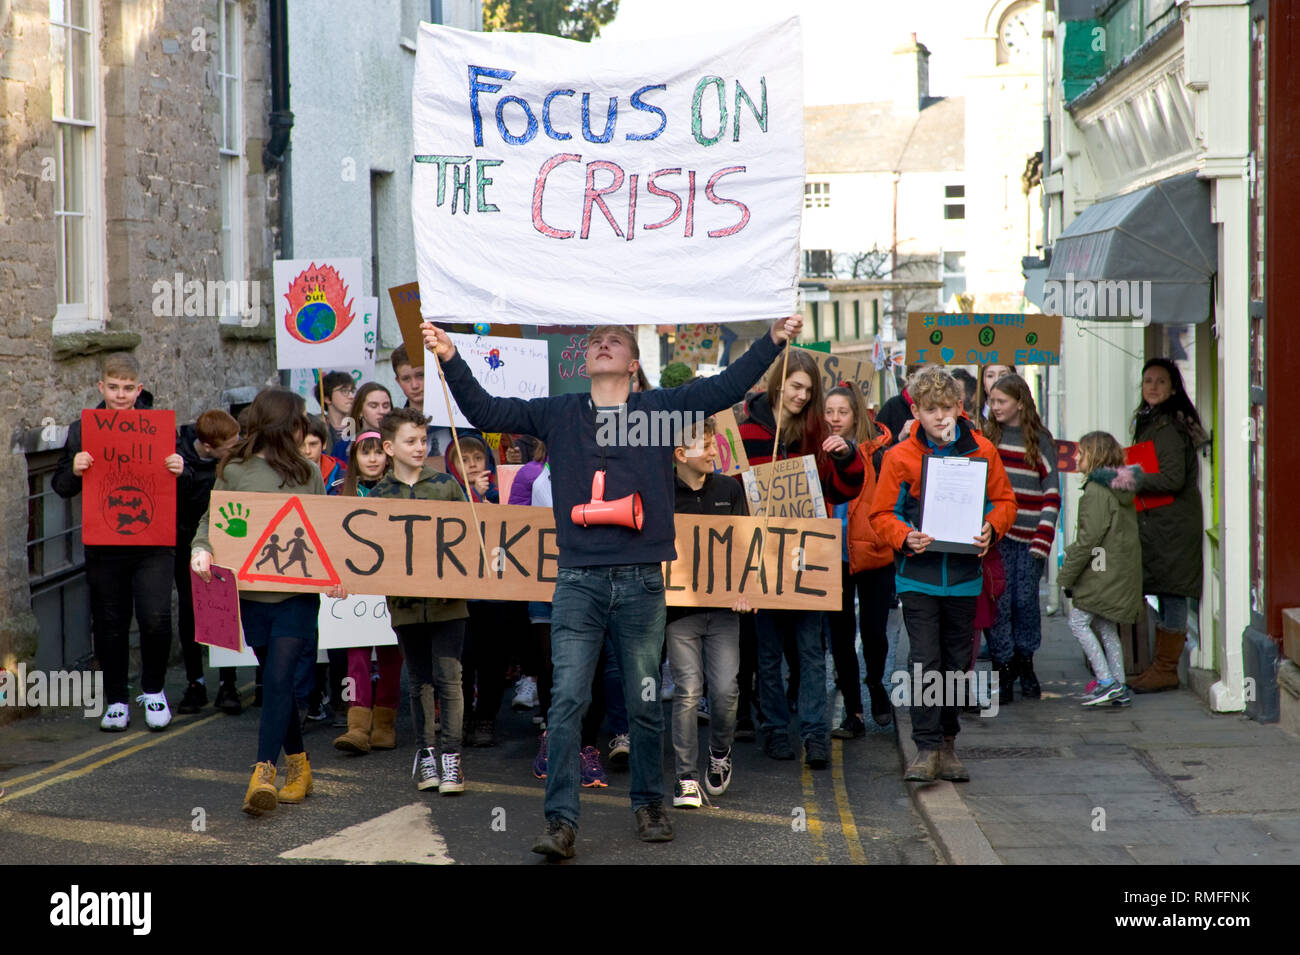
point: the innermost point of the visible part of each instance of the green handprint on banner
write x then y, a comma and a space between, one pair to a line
236, 521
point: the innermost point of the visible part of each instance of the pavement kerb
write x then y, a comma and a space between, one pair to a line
949, 820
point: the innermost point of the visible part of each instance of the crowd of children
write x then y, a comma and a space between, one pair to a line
584, 658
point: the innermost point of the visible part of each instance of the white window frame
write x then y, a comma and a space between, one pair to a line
90, 314
817, 194
234, 265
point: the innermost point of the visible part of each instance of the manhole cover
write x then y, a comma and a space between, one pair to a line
1011, 752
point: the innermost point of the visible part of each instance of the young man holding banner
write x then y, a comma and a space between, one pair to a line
610, 578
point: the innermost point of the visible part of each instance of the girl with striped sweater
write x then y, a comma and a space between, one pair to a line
1029, 455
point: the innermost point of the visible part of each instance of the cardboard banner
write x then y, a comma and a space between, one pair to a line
428, 548
731, 457
128, 497
216, 610
558, 182
357, 620
406, 306
505, 367
837, 368
982, 338
796, 490
317, 316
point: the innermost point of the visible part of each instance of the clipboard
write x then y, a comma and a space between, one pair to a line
953, 494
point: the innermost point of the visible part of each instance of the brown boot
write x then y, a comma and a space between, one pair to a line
383, 735
924, 768
1163, 672
357, 738
950, 767
297, 782
261, 795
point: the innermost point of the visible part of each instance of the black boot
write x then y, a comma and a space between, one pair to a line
1029, 687
1006, 681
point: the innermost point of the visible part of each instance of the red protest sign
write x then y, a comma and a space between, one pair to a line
128, 495
216, 609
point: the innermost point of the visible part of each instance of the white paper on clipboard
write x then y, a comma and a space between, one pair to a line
952, 505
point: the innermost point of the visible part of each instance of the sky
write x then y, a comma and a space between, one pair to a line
841, 37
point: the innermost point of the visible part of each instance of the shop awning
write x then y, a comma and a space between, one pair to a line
1150, 255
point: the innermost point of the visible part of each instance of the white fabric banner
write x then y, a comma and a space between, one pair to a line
505, 367
648, 182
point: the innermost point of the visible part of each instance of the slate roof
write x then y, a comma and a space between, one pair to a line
870, 137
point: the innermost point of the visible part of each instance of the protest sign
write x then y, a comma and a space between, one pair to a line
128, 495
406, 306
731, 457
429, 548
243, 657
216, 609
566, 358
694, 344
505, 367
358, 620
317, 319
558, 182
981, 338
796, 488
837, 368
306, 381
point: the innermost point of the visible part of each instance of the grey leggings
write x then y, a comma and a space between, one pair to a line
1108, 667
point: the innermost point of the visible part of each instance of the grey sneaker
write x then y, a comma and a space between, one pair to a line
453, 777
1103, 694
425, 770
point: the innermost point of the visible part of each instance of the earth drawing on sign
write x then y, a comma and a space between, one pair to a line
128, 509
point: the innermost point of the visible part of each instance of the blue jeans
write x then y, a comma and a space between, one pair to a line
625, 602
771, 627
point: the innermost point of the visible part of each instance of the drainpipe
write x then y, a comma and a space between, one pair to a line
275, 153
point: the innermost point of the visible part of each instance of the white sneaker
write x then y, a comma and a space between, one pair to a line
666, 686
525, 694
687, 795
157, 714
116, 718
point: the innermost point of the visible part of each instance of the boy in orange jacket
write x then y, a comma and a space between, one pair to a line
938, 589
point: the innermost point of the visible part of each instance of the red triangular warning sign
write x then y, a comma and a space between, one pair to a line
297, 547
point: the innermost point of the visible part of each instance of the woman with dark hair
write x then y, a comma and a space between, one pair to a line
371, 403
278, 626
866, 568
803, 431
1171, 533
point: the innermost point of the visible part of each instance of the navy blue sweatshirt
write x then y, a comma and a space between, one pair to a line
567, 423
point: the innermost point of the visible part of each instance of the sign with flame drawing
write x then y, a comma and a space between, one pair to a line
316, 313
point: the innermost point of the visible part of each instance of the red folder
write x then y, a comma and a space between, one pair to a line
1144, 455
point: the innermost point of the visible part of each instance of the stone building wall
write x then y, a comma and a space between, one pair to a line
159, 121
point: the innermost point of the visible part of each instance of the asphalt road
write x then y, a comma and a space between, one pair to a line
78, 796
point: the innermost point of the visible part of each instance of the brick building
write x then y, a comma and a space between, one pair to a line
133, 136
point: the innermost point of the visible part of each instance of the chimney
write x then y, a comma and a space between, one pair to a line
911, 77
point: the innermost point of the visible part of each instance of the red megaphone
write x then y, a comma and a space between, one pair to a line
625, 512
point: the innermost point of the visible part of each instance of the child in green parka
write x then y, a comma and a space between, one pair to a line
1102, 571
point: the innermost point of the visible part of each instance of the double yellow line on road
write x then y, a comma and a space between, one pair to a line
848, 826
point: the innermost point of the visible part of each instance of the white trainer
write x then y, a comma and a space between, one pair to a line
157, 714
525, 694
116, 718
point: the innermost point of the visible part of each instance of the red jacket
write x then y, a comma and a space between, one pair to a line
866, 550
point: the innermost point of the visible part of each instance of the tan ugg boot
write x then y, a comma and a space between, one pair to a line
1163, 672
261, 796
384, 733
297, 782
357, 738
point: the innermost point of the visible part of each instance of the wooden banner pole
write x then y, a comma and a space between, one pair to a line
455, 440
